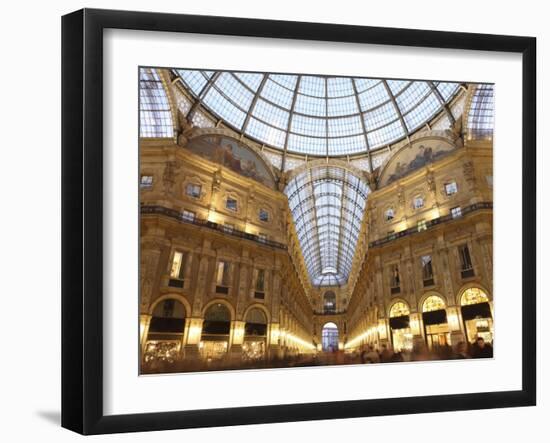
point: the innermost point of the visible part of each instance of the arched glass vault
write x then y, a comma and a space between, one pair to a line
318, 115
327, 205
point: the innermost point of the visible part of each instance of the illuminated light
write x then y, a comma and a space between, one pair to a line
402, 226
195, 330
143, 326
414, 324
275, 333
382, 329
238, 332
452, 319
213, 216
299, 342
434, 213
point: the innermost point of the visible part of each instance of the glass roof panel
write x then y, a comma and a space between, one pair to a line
342, 106
251, 80
308, 105
411, 96
342, 127
447, 90
321, 114
313, 86
273, 114
373, 97
339, 87
480, 117
421, 114
155, 117
225, 108
327, 205
275, 93
397, 86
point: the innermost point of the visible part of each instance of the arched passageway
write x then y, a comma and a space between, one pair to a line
329, 337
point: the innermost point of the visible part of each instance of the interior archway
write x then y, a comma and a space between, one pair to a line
329, 337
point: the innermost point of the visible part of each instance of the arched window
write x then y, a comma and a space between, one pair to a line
217, 320
433, 303
399, 309
329, 337
473, 296
168, 317
400, 327
329, 302
165, 331
476, 314
256, 323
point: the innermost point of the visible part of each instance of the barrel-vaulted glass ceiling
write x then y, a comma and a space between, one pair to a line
327, 205
319, 115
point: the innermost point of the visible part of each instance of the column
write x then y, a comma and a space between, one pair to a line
454, 319
274, 348
192, 337
236, 339
415, 322
151, 250
144, 322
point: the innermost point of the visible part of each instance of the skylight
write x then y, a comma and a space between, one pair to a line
327, 205
318, 115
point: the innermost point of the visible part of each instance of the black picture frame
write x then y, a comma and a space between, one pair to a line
82, 218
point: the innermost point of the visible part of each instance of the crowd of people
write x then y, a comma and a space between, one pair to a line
463, 350
477, 349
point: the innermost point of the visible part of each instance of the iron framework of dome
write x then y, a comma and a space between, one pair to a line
319, 115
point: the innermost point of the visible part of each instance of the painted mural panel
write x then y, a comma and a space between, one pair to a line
409, 159
233, 155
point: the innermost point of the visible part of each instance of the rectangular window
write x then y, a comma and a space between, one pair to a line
146, 182
451, 188
260, 281
389, 214
418, 202
422, 226
264, 215
395, 281
188, 215
177, 270
427, 270
222, 273
193, 190
456, 212
231, 204
466, 267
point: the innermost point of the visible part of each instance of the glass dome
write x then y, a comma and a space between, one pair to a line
318, 115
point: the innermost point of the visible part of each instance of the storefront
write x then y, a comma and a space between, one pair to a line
165, 334
255, 335
215, 332
401, 335
436, 327
476, 315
